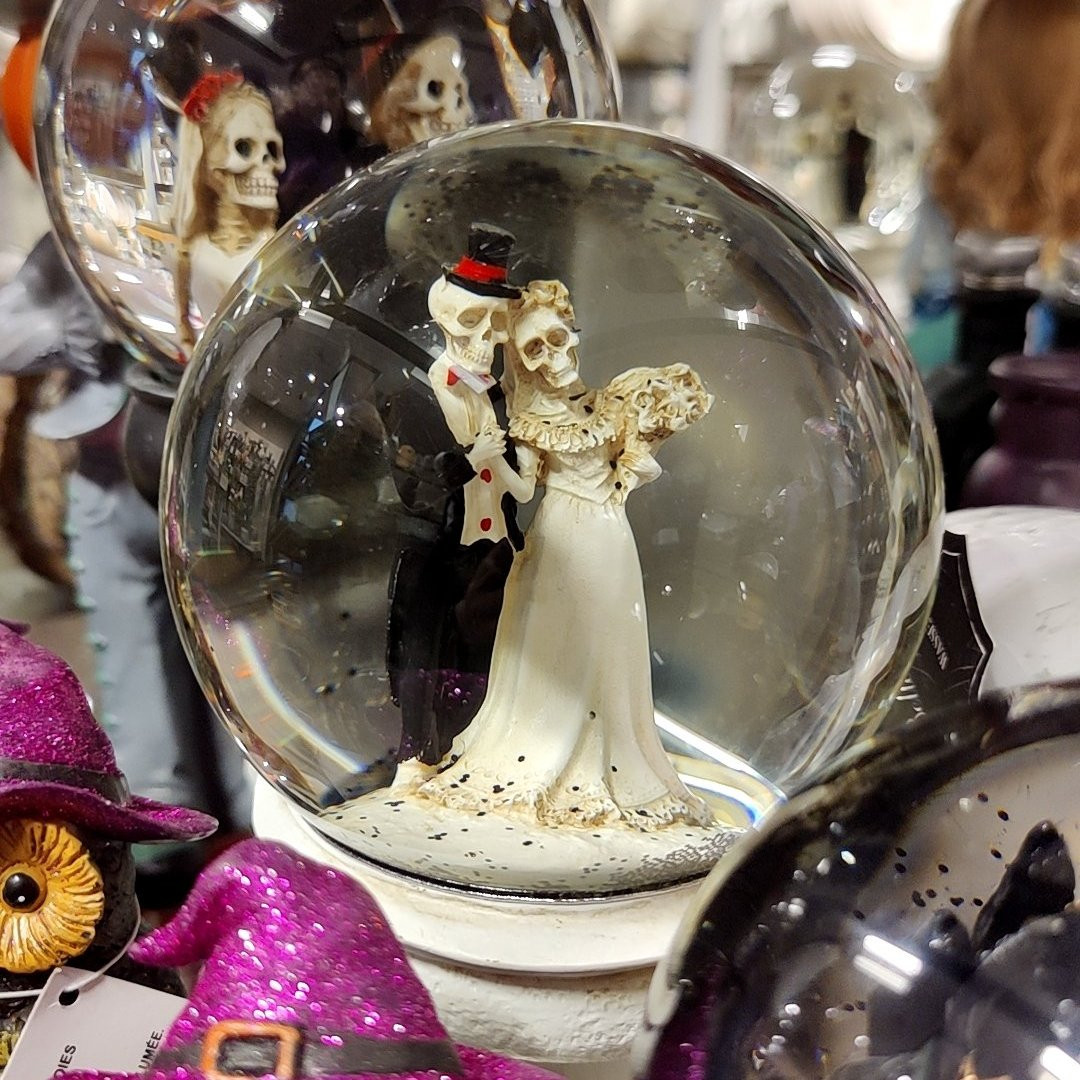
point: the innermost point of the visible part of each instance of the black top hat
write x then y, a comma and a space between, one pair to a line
483, 269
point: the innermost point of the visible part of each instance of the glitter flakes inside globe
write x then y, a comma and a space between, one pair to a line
174, 138
547, 501
911, 914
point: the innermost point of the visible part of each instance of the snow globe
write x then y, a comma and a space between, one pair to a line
844, 135
912, 913
546, 501
174, 138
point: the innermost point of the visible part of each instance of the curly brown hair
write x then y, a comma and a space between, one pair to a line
1007, 156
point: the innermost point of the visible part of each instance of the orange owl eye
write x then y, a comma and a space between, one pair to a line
51, 895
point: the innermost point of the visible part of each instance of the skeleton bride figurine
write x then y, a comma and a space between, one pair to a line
566, 735
229, 161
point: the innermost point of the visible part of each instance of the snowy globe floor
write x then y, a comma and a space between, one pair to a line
495, 850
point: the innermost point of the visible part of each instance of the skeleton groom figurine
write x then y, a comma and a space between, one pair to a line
470, 304
229, 161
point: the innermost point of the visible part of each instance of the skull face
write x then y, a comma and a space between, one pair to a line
429, 96
244, 154
547, 343
473, 324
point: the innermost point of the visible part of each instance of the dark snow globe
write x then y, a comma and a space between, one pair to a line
174, 138
544, 503
910, 914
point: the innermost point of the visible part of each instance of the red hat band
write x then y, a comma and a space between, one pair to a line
480, 272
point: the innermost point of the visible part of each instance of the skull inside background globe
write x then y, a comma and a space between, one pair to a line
912, 913
330, 87
316, 493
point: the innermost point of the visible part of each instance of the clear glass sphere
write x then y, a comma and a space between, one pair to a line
143, 150
317, 493
842, 135
910, 914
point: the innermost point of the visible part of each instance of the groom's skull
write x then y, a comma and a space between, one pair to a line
546, 343
473, 324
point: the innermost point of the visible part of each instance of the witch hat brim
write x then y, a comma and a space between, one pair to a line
476, 1064
132, 818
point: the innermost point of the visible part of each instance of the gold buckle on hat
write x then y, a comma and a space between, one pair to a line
289, 1040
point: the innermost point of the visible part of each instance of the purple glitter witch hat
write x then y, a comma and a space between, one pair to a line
57, 763
301, 978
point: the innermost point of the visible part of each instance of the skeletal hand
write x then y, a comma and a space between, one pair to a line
490, 443
637, 466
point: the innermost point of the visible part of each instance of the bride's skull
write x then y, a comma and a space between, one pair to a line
244, 154
546, 343
429, 96
473, 324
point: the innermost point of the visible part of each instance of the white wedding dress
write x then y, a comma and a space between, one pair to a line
566, 732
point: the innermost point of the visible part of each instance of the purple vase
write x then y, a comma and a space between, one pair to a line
992, 299
1036, 458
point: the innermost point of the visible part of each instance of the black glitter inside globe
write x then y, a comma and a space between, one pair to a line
21, 891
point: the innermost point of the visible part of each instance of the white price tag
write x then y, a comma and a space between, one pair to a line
108, 1024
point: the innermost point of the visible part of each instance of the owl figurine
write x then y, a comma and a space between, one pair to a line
67, 822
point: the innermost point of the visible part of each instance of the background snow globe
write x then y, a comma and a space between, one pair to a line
546, 502
844, 135
175, 137
912, 913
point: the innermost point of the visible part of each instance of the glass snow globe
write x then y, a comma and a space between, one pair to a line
174, 138
912, 914
844, 136
544, 502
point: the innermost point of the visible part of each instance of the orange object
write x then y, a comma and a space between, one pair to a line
17, 92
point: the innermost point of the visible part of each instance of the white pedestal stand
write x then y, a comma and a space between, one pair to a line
560, 983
